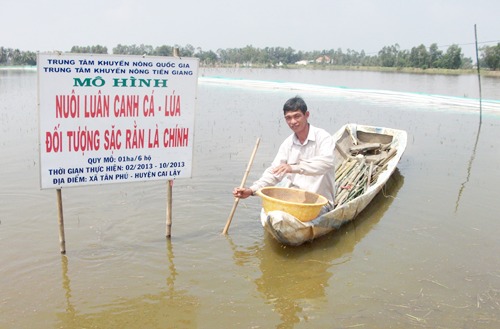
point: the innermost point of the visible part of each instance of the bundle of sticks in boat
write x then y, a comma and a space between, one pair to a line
357, 173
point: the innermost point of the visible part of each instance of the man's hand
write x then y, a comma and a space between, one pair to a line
242, 193
282, 169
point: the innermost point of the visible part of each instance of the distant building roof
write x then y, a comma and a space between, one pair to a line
323, 59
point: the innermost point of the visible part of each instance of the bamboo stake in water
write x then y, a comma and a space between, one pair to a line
170, 183
168, 227
236, 200
62, 239
479, 79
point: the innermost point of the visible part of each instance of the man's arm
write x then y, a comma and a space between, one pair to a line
319, 164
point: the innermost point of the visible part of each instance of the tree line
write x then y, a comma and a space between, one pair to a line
421, 57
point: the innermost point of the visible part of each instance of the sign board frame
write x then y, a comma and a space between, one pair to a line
115, 118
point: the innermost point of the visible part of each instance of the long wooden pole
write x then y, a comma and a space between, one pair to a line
60, 217
170, 183
479, 79
243, 181
168, 230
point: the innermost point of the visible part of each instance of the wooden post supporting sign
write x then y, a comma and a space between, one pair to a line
60, 216
170, 183
168, 230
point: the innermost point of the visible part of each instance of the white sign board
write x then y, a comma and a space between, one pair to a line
115, 118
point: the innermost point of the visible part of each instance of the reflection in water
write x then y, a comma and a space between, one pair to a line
70, 309
171, 266
294, 279
171, 308
469, 168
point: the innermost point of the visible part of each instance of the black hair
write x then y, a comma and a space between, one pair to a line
294, 104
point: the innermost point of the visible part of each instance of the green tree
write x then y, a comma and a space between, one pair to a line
434, 55
491, 56
419, 57
98, 49
187, 51
452, 59
221, 55
164, 51
3, 55
336, 56
249, 54
29, 58
120, 49
133, 50
16, 57
207, 57
288, 56
388, 56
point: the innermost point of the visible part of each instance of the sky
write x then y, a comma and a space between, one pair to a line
57, 25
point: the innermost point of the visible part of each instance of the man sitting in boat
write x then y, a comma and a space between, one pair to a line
304, 159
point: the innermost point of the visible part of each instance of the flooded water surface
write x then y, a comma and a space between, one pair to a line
423, 254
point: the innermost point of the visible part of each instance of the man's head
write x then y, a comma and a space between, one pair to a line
295, 104
296, 115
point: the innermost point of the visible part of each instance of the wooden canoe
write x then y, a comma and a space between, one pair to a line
365, 158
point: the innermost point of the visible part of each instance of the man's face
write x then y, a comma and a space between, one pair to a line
296, 120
